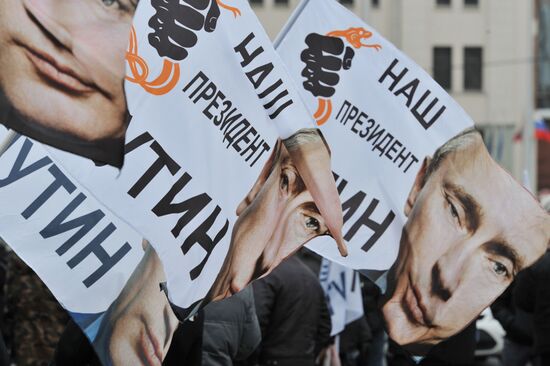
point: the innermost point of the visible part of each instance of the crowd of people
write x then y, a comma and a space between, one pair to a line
524, 313
280, 320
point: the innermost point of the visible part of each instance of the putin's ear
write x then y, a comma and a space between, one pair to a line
417, 186
264, 174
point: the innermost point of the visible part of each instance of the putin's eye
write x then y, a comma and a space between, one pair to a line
125, 7
312, 223
453, 210
500, 269
284, 182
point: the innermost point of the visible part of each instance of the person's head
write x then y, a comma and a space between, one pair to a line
62, 65
471, 228
275, 219
137, 328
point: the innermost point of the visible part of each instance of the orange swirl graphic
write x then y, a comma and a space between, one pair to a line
324, 110
236, 12
163, 83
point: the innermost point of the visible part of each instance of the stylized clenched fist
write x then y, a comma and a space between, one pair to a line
176, 22
324, 57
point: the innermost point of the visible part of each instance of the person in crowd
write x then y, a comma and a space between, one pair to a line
74, 348
458, 350
231, 330
4, 254
532, 294
293, 316
518, 324
372, 295
355, 341
34, 320
187, 342
311, 259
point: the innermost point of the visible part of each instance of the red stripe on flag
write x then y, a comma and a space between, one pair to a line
541, 134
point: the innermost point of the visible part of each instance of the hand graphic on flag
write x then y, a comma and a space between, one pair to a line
324, 57
175, 24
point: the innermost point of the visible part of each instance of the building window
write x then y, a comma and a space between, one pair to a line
442, 66
473, 63
281, 2
375, 3
256, 2
471, 2
346, 2
443, 2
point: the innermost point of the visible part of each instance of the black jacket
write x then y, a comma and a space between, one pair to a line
354, 342
293, 315
231, 331
532, 294
516, 322
371, 298
457, 350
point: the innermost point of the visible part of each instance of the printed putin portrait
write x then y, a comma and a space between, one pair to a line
62, 68
470, 229
275, 219
137, 328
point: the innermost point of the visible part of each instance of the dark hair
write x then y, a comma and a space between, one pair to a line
462, 141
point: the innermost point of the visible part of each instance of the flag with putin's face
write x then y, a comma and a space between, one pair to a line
421, 196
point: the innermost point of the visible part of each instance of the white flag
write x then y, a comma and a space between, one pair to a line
426, 209
343, 294
81, 251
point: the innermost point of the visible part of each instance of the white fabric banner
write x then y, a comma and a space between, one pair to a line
81, 251
387, 114
204, 166
343, 293
426, 209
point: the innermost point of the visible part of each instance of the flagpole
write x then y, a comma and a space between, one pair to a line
7, 141
293, 17
530, 144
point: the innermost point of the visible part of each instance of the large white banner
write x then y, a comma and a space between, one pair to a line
215, 122
381, 114
81, 251
426, 209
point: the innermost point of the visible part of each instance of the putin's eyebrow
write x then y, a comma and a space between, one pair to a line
502, 248
298, 186
472, 209
311, 207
